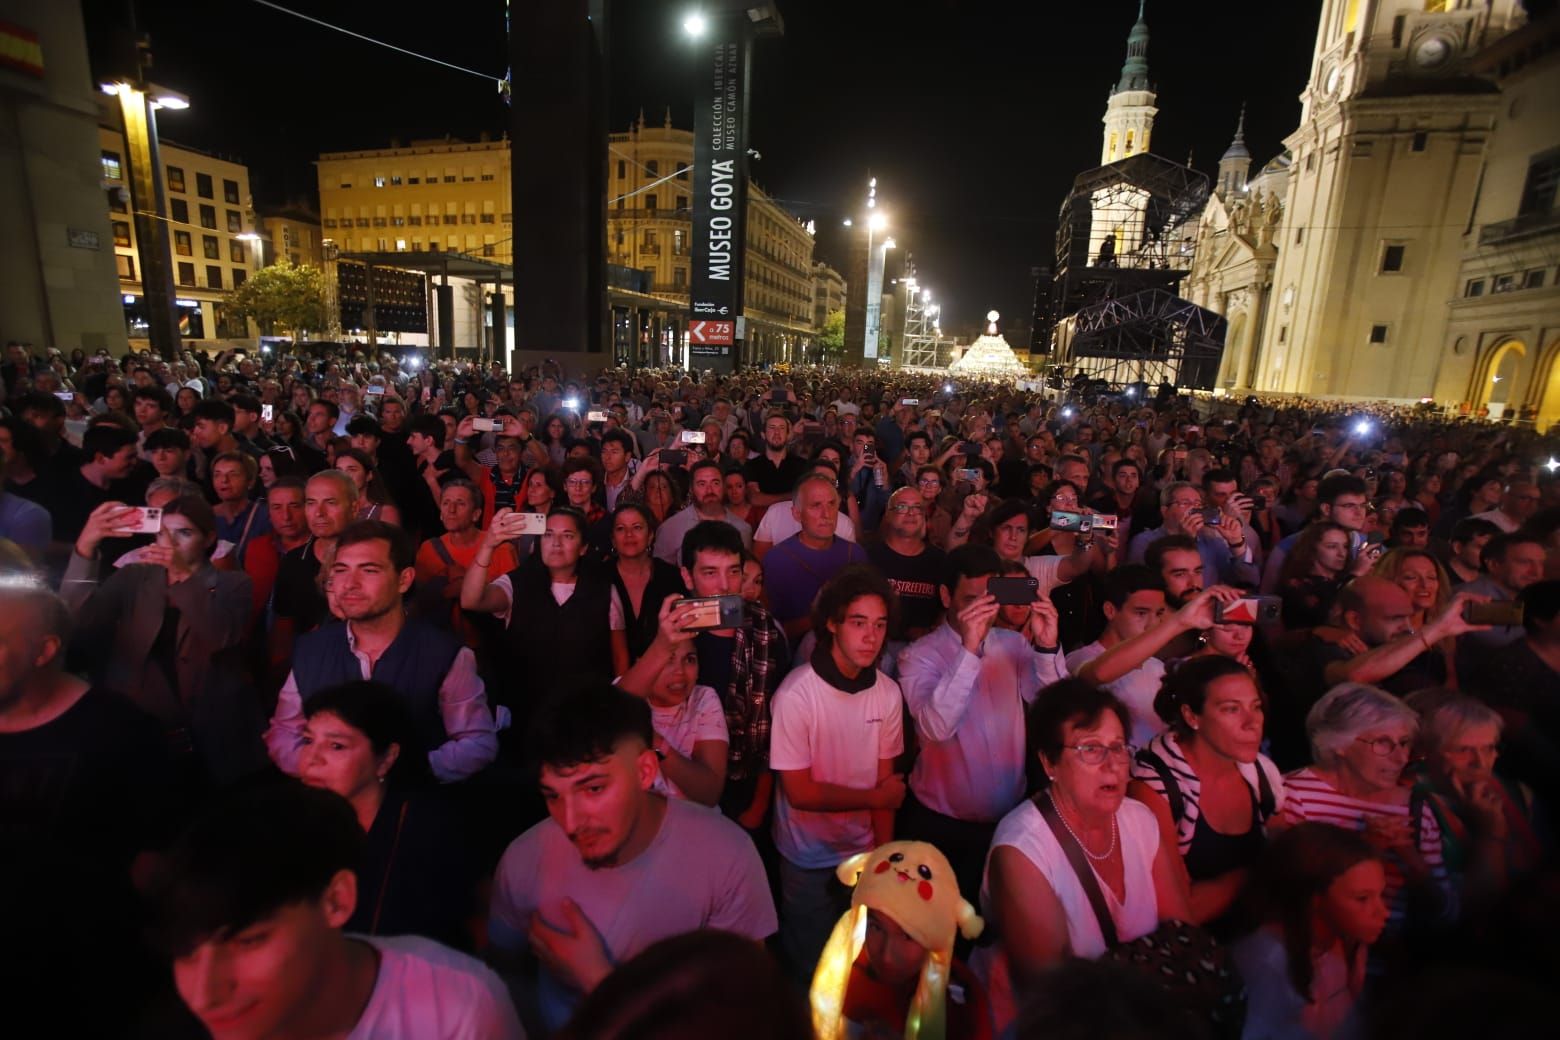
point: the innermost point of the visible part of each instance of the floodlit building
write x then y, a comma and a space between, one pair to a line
828, 293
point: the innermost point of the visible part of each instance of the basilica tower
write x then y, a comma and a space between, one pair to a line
1129, 114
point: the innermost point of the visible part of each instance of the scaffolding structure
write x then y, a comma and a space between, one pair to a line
921, 323
1125, 239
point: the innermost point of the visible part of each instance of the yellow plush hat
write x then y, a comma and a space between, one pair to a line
912, 883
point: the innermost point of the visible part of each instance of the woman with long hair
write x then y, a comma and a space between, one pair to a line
1429, 588
642, 581
373, 499
1079, 602
1322, 902
661, 494
1313, 573
554, 437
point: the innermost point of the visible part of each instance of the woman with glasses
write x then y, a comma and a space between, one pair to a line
1488, 834
1207, 782
929, 482
1033, 897
1079, 602
1361, 739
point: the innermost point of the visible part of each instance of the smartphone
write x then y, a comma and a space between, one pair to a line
1014, 591
779, 396
483, 425
595, 417
65, 395
1104, 522
869, 456
375, 390
967, 475
715, 612
673, 457
1506, 612
516, 524
692, 437
148, 520
1063, 520
1213, 517
1248, 610
969, 448
267, 412
911, 402
1258, 503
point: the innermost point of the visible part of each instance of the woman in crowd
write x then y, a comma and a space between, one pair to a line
1361, 738
1429, 588
554, 436
289, 427
1313, 573
184, 403
642, 581
661, 494
1321, 899
116, 400
1032, 895
373, 498
1427, 495
543, 488
1208, 784
415, 876
1488, 832
279, 462
1078, 601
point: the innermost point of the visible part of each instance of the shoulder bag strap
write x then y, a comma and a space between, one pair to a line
384, 882
1172, 789
443, 551
1267, 802
1080, 865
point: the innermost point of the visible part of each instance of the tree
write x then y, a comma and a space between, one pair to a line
284, 297
830, 343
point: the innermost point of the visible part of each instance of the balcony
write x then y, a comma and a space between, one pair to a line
1524, 226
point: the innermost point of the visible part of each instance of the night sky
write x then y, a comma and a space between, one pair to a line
974, 116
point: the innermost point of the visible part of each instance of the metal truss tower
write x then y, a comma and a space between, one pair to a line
922, 331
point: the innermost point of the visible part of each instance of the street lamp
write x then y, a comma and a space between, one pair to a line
259, 241
694, 24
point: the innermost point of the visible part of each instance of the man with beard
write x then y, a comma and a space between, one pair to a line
616, 866
372, 569
706, 501
776, 470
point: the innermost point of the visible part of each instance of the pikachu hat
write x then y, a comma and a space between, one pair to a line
911, 883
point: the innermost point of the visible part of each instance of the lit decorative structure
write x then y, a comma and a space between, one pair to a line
990, 355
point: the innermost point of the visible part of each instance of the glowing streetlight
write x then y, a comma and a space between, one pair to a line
849, 222
877, 222
694, 24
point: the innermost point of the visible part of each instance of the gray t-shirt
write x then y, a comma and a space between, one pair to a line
700, 871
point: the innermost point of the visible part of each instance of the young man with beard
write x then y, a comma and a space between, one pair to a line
838, 727
773, 474
616, 866
706, 501
371, 570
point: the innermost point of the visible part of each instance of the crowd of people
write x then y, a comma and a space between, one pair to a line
363, 694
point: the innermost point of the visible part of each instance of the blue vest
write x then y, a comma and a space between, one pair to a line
414, 665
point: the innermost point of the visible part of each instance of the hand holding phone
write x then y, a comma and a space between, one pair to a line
709, 612
1014, 591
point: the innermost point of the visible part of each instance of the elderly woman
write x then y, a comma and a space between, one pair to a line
1361, 737
1041, 910
1487, 832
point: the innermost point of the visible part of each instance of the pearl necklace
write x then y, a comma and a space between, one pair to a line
1063, 817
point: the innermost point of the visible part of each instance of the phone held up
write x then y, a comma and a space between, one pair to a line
1248, 610
1063, 520
715, 612
1014, 591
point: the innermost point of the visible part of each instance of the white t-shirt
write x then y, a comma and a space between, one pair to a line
561, 591
1043, 569
840, 737
699, 871
779, 523
1025, 830
698, 718
1136, 690
425, 991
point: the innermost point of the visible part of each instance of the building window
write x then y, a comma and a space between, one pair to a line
345, 183
203, 185
682, 171
214, 276
239, 275
1543, 177
1475, 287
210, 248
126, 265
622, 169
122, 234
236, 252
680, 278
1283, 333
414, 180
176, 179
450, 218
1378, 333
183, 244
395, 180
1504, 283
186, 273
111, 170
379, 180
466, 175
653, 168
488, 173
116, 201
488, 218
1392, 259
230, 192
1421, 139
1299, 235
681, 203
1534, 279
449, 178
208, 217
679, 242
650, 203
235, 221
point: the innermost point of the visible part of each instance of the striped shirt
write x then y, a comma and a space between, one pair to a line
1190, 786
1309, 797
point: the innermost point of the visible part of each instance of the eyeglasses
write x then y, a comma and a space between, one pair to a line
1095, 754
905, 507
929, 482
1384, 746
578, 483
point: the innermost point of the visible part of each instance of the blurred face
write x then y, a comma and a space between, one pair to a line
1523, 565
562, 545
1127, 480
1009, 537
364, 584
752, 581
859, 636
338, 756
391, 415
714, 573
537, 492
1470, 553
354, 469
260, 982
1414, 537
1075, 473
630, 535
920, 451
328, 507
1088, 788
817, 510
1388, 613
681, 671
1373, 771
1138, 614
613, 457
1417, 576
736, 490
188, 543
230, 481
208, 433
1332, 552
1229, 640
1354, 907
119, 465
1231, 719
1468, 755
579, 487
169, 461
776, 432
147, 412
1184, 502
906, 517
1520, 502
1182, 570
1219, 492
601, 805
709, 491
318, 420
459, 509
1349, 511
896, 958
287, 513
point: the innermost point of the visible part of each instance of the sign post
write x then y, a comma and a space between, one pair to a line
719, 196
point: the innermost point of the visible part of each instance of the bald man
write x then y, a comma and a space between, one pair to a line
1518, 501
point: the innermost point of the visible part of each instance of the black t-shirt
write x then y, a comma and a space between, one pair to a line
772, 479
916, 579
297, 595
71, 498
714, 661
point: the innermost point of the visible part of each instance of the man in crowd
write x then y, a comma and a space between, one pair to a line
24, 522
1134, 603
1523, 683
1512, 562
913, 568
1220, 533
706, 501
967, 685
329, 505
252, 440
1518, 501
152, 407
1341, 499
838, 726
109, 453
616, 866
780, 522
772, 474
289, 529
795, 569
1121, 498
319, 426
1464, 559
168, 451
617, 449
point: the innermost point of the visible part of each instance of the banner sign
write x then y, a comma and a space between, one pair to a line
719, 192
